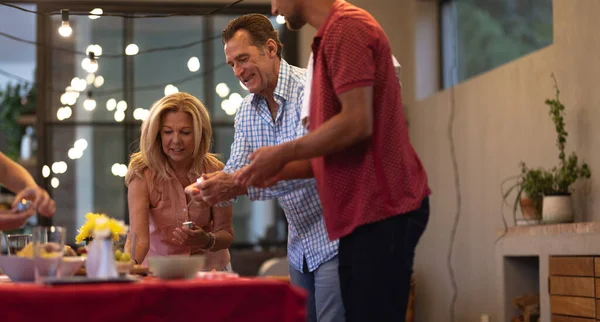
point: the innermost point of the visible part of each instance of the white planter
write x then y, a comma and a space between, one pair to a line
100, 261
557, 209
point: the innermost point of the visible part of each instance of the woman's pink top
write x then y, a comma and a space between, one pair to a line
169, 210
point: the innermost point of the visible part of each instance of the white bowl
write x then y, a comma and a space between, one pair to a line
21, 269
176, 266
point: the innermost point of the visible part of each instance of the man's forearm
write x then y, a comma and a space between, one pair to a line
13, 176
296, 170
337, 134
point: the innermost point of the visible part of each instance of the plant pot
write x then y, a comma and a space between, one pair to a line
528, 209
557, 209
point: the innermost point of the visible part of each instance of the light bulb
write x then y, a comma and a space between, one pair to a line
90, 64
280, 19
193, 64
46, 171
111, 104
65, 29
80, 144
67, 112
222, 90
97, 49
90, 78
54, 183
99, 81
93, 66
131, 49
119, 116
121, 106
89, 104
94, 13
170, 89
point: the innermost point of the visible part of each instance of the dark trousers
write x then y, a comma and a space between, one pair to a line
375, 266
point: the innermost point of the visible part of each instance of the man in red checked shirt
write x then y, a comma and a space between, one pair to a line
372, 185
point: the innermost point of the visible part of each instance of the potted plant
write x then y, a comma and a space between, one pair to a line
544, 194
557, 204
531, 185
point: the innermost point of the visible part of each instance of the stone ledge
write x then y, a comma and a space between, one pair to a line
551, 230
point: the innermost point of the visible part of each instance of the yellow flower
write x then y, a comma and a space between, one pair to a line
100, 223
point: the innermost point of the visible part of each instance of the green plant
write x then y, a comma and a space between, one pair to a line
532, 183
569, 169
536, 183
15, 101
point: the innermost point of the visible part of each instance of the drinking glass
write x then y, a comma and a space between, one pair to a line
16, 242
48, 245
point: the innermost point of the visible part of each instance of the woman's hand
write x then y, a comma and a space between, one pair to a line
11, 219
196, 237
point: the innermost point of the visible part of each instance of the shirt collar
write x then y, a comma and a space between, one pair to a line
334, 7
283, 89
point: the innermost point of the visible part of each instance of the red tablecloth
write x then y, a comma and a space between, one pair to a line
155, 300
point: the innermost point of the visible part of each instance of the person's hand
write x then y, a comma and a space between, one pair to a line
11, 219
266, 183
190, 237
40, 199
218, 187
266, 164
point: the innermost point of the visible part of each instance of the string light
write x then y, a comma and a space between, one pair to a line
131, 16
99, 81
89, 104
193, 64
89, 63
280, 19
90, 78
111, 104
119, 116
132, 49
170, 89
122, 106
46, 171
222, 90
95, 14
65, 29
97, 49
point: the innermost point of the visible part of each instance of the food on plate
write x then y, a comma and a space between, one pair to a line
48, 250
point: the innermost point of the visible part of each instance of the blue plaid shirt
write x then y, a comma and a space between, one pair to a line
255, 128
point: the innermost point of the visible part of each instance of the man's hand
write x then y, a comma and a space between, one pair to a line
196, 237
267, 163
40, 199
218, 187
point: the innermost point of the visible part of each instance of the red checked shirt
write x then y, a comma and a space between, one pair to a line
382, 176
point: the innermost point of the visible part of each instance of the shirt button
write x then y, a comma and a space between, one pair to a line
184, 209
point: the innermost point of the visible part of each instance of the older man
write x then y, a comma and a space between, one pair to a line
271, 115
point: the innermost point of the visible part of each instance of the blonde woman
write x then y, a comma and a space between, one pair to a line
174, 146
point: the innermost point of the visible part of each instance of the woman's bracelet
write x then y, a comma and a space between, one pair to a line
212, 241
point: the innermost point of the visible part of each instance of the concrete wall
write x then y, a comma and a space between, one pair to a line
501, 119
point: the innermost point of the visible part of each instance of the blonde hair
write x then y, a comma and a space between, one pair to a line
151, 155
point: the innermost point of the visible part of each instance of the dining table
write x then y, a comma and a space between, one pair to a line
152, 299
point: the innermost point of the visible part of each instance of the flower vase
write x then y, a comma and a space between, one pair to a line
100, 261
